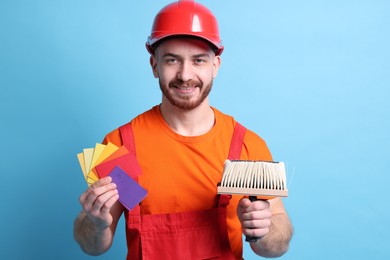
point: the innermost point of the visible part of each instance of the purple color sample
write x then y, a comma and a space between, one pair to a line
130, 192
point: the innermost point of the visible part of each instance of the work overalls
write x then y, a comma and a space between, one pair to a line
188, 235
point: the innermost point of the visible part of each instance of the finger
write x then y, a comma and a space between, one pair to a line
255, 232
256, 228
260, 205
256, 223
96, 184
257, 215
104, 181
94, 192
255, 205
109, 203
100, 201
101, 182
244, 203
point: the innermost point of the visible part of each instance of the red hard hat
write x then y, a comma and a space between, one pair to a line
185, 17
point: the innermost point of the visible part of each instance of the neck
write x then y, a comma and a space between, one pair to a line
192, 122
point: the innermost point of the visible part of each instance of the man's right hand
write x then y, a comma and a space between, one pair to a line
97, 201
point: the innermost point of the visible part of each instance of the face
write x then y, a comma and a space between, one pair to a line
185, 69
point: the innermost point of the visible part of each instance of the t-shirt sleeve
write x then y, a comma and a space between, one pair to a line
113, 137
255, 148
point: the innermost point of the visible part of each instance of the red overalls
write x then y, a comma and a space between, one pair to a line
188, 235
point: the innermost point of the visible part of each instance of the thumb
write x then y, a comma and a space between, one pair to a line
242, 208
244, 203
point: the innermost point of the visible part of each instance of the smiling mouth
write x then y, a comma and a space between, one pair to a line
185, 90
185, 87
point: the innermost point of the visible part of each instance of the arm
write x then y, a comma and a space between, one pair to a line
95, 226
269, 221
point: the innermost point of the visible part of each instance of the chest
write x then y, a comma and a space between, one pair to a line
180, 176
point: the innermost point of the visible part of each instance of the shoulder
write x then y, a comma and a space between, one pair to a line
224, 120
115, 135
254, 147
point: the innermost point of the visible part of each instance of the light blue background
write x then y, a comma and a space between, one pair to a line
311, 77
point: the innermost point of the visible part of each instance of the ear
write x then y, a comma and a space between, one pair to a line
153, 64
216, 65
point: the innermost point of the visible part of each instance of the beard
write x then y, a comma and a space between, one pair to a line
184, 102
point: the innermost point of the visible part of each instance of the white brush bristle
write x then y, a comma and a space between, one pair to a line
257, 178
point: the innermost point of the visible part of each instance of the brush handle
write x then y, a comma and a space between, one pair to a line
249, 238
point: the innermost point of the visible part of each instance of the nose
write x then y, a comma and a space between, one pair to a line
185, 72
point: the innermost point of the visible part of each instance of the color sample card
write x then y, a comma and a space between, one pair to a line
88, 154
90, 157
96, 154
130, 192
127, 162
117, 162
109, 149
80, 156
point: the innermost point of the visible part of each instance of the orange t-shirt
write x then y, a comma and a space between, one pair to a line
181, 173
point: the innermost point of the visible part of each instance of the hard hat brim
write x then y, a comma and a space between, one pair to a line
152, 44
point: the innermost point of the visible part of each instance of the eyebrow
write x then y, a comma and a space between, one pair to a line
202, 55
196, 56
170, 55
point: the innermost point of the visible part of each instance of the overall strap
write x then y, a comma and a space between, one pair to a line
234, 154
127, 135
128, 141
237, 142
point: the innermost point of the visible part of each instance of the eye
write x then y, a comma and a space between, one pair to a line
171, 61
199, 61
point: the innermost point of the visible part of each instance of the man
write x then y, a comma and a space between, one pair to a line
181, 146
